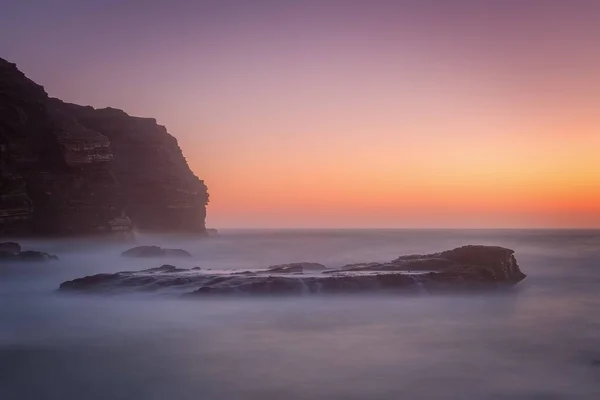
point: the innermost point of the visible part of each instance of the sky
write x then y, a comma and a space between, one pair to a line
346, 114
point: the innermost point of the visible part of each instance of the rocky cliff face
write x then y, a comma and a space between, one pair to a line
69, 169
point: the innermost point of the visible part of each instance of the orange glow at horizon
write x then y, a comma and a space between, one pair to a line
513, 181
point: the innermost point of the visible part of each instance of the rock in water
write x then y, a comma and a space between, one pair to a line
31, 255
464, 268
164, 268
299, 267
468, 264
11, 251
10, 247
154, 251
66, 169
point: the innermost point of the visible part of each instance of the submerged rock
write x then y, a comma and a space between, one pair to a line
154, 251
464, 268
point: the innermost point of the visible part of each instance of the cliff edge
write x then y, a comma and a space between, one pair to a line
67, 169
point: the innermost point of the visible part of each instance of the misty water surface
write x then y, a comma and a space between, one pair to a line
540, 340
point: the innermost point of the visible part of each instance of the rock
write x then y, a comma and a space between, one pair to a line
246, 273
10, 247
295, 268
27, 255
165, 268
481, 263
177, 253
286, 269
30, 255
160, 192
144, 251
98, 281
66, 169
465, 268
154, 251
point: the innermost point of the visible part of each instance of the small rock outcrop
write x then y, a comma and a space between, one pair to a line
11, 251
464, 268
299, 267
10, 247
67, 169
164, 269
154, 251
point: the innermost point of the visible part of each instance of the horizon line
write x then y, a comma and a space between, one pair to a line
410, 229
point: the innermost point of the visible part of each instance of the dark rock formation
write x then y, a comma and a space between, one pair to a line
163, 269
11, 251
69, 169
160, 191
295, 268
488, 261
154, 251
464, 268
10, 247
31, 255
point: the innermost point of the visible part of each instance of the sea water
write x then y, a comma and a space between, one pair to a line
540, 340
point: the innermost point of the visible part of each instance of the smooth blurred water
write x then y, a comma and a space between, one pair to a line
538, 341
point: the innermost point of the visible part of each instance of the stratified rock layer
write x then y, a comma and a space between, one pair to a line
464, 268
160, 191
68, 169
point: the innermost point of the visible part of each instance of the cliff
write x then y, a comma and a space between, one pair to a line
68, 169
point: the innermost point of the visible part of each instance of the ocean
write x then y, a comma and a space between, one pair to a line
538, 340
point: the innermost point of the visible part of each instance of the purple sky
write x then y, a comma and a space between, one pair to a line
346, 113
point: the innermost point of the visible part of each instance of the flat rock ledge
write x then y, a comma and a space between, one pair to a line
464, 268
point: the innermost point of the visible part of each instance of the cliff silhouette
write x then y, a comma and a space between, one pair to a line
67, 169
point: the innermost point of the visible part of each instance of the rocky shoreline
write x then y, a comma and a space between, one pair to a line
464, 268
